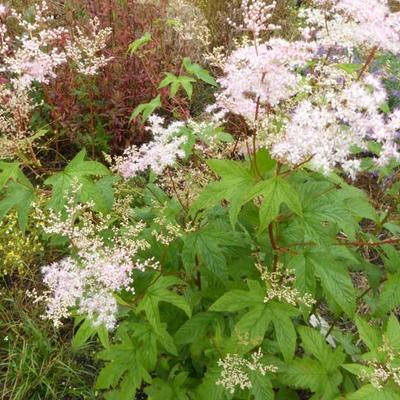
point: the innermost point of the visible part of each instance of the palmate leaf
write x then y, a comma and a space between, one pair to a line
334, 279
18, 197
275, 192
82, 172
209, 246
157, 292
199, 72
176, 82
11, 171
146, 109
18, 192
138, 43
235, 185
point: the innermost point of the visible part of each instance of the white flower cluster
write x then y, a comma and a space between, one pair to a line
99, 268
167, 231
33, 55
236, 369
161, 152
15, 113
380, 373
353, 23
84, 49
301, 104
326, 128
255, 80
256, 14
280, 287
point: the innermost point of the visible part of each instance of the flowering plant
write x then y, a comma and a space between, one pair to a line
244, 263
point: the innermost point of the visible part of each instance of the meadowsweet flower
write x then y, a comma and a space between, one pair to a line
16, 109
256, 14
156, 155
255, 80
280, 287
325, 129
85, 49
353, 23
98, 269
236, 370
34, 55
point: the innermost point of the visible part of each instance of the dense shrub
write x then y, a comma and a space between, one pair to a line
248, 250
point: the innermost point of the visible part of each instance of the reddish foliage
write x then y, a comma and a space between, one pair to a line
106, 103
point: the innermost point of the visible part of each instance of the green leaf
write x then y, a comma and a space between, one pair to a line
314, 343
265, 163
261, 387
235, 185
176, 82
369, 392
10, 171
146, 109
370, 335
20, 198
80, 172
138, 43
392, 333
236, 300
159, 292
85, 331
275, 191
335, 281
349, 68
208, 246
254, 324
194, 328
199, 72
390, 295
358, 369
285, 334
304, 373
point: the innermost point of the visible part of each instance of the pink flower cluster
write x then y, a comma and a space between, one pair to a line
35, 54
354, 23
256, 14
156, 155
98, 269
327, 132
302, 105
255, 80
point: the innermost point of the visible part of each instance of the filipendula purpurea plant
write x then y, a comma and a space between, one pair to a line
278, 279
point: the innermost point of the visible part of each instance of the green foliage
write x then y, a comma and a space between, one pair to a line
138, 43
273, 282
176, 82
18, 192
19, 251
79, 174
146, 109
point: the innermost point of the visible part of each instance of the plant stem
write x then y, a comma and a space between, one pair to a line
367, 62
